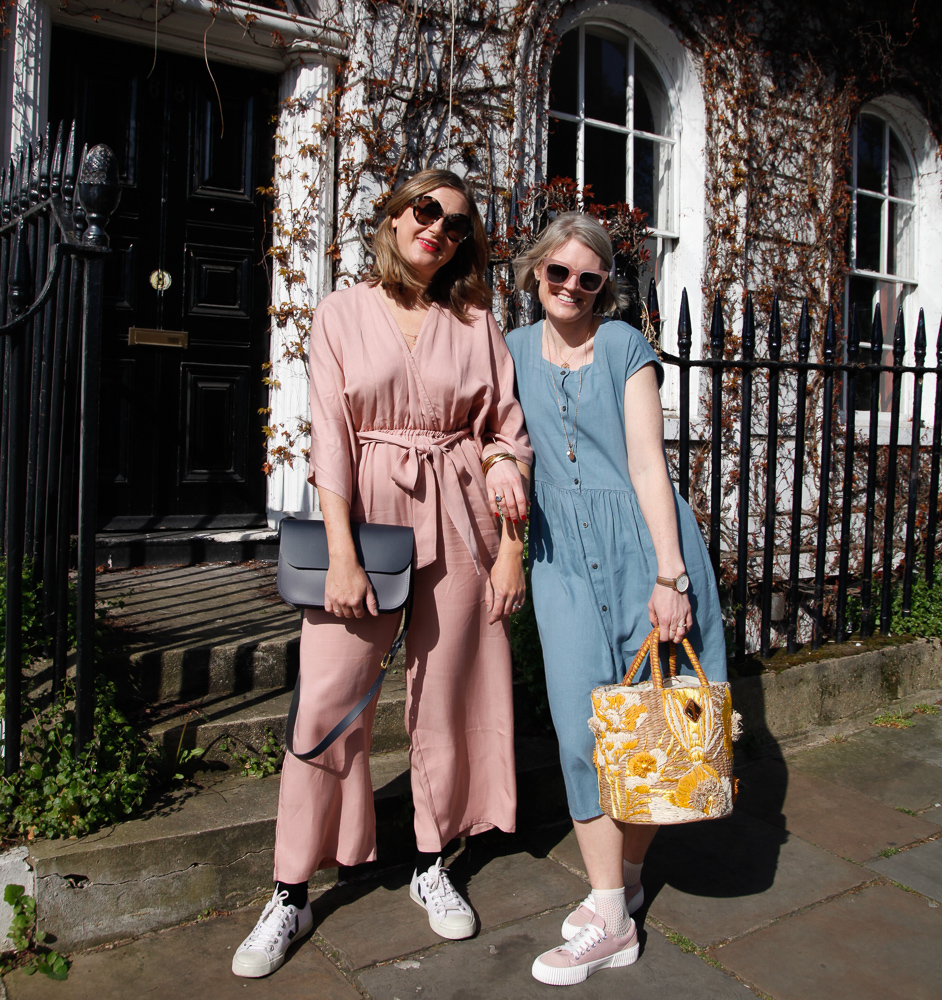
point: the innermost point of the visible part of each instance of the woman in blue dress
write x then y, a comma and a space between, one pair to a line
614, 551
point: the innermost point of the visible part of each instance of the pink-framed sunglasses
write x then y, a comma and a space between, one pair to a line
557, 273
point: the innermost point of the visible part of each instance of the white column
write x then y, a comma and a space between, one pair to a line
25, 76
304, 187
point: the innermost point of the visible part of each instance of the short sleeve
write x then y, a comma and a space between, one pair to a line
504, 421
641, 353
333, 435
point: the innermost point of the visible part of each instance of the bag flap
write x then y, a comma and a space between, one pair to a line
381, 548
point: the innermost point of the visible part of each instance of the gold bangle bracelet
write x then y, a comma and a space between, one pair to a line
500, 456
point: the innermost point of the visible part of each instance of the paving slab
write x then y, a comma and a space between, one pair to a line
920, 868
496, 966
189, 961
922, 740
841, 820
718, 879
501, 887
877, 943
874, 770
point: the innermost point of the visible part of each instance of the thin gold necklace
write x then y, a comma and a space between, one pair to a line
563, 362
571, 453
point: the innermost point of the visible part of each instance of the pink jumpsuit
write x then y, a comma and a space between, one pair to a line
399, 436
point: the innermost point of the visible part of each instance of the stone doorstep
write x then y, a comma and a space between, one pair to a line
246, 717
211, 848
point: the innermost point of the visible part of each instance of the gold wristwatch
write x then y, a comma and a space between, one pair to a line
679, 583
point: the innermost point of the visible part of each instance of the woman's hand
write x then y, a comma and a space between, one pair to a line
505, 589
671, 611
347, 589
504, 480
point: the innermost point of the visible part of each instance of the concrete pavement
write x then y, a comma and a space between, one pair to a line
826, 882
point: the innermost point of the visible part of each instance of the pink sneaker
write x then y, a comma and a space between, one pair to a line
586, 911
590, 950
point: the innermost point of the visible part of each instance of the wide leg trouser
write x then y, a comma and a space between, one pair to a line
458, 714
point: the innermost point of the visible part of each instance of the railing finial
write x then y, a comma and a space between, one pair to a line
98, 192
55, 172
899, 337
804, 332
717, 333
45, 155
830, 337
853, 337
775, 331
749, 330
683, 327
919, 346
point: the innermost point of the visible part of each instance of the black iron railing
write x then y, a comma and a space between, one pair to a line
54, 205
818, 543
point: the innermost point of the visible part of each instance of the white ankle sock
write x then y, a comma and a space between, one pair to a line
610, 906
632, 873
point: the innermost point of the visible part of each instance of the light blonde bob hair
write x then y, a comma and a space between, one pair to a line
592, 235
457, 285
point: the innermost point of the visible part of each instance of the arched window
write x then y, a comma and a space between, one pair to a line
611, 127
881, 236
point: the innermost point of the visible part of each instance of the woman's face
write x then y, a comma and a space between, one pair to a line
569, 304
427, 248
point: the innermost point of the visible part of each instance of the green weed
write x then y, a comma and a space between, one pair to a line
893, 720
31, 954
256, 763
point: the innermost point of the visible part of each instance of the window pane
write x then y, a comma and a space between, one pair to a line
868, 232
606, 79
561, 154
652, 109
861, 292
564, 76
606, 164
901, 174
870, 153
899, 239
650, 189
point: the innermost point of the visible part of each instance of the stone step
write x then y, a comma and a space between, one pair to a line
126, 549
245, 720
210, 847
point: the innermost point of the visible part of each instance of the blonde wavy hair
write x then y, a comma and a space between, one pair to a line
592, 235
457, 285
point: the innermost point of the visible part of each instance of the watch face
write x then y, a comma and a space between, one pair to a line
682, 583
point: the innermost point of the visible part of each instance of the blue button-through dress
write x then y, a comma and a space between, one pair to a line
592, 560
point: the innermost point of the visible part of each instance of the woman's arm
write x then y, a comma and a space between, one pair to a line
347, 588
505, 589
644, 439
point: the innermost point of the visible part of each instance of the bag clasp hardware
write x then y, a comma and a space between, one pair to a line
692, 710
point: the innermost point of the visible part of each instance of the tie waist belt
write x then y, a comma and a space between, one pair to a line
437, 452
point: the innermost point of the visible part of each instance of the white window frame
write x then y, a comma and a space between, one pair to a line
905, 284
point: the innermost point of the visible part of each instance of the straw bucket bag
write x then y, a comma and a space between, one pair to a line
664, 748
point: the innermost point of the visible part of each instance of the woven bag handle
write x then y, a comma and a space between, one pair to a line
650, 645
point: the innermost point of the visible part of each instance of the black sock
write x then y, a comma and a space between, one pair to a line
424, 860
297, 893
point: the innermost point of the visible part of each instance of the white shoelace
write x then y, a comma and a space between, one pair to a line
588, 937
442, 894
271, 924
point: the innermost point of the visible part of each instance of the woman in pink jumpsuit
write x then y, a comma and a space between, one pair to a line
411, 387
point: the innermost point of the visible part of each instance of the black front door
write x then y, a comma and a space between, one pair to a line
186, 319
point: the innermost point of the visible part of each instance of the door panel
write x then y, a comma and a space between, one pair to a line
181, 436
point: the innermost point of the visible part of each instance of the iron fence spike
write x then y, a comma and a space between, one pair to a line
919, 345
654, 308
33, 193
830, 336
55, 173
69, 170
683, 326
717, 333
45, 157
775, 330
804, 332
899, 337
749, 330
853, 337
876, 336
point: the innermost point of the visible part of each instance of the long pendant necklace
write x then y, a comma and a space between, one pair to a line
571, 453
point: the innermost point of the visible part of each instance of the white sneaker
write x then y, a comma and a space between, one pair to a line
279, 926
586, 911
448, 914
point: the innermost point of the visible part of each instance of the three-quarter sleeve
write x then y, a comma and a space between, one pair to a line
504, 423
334, 446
